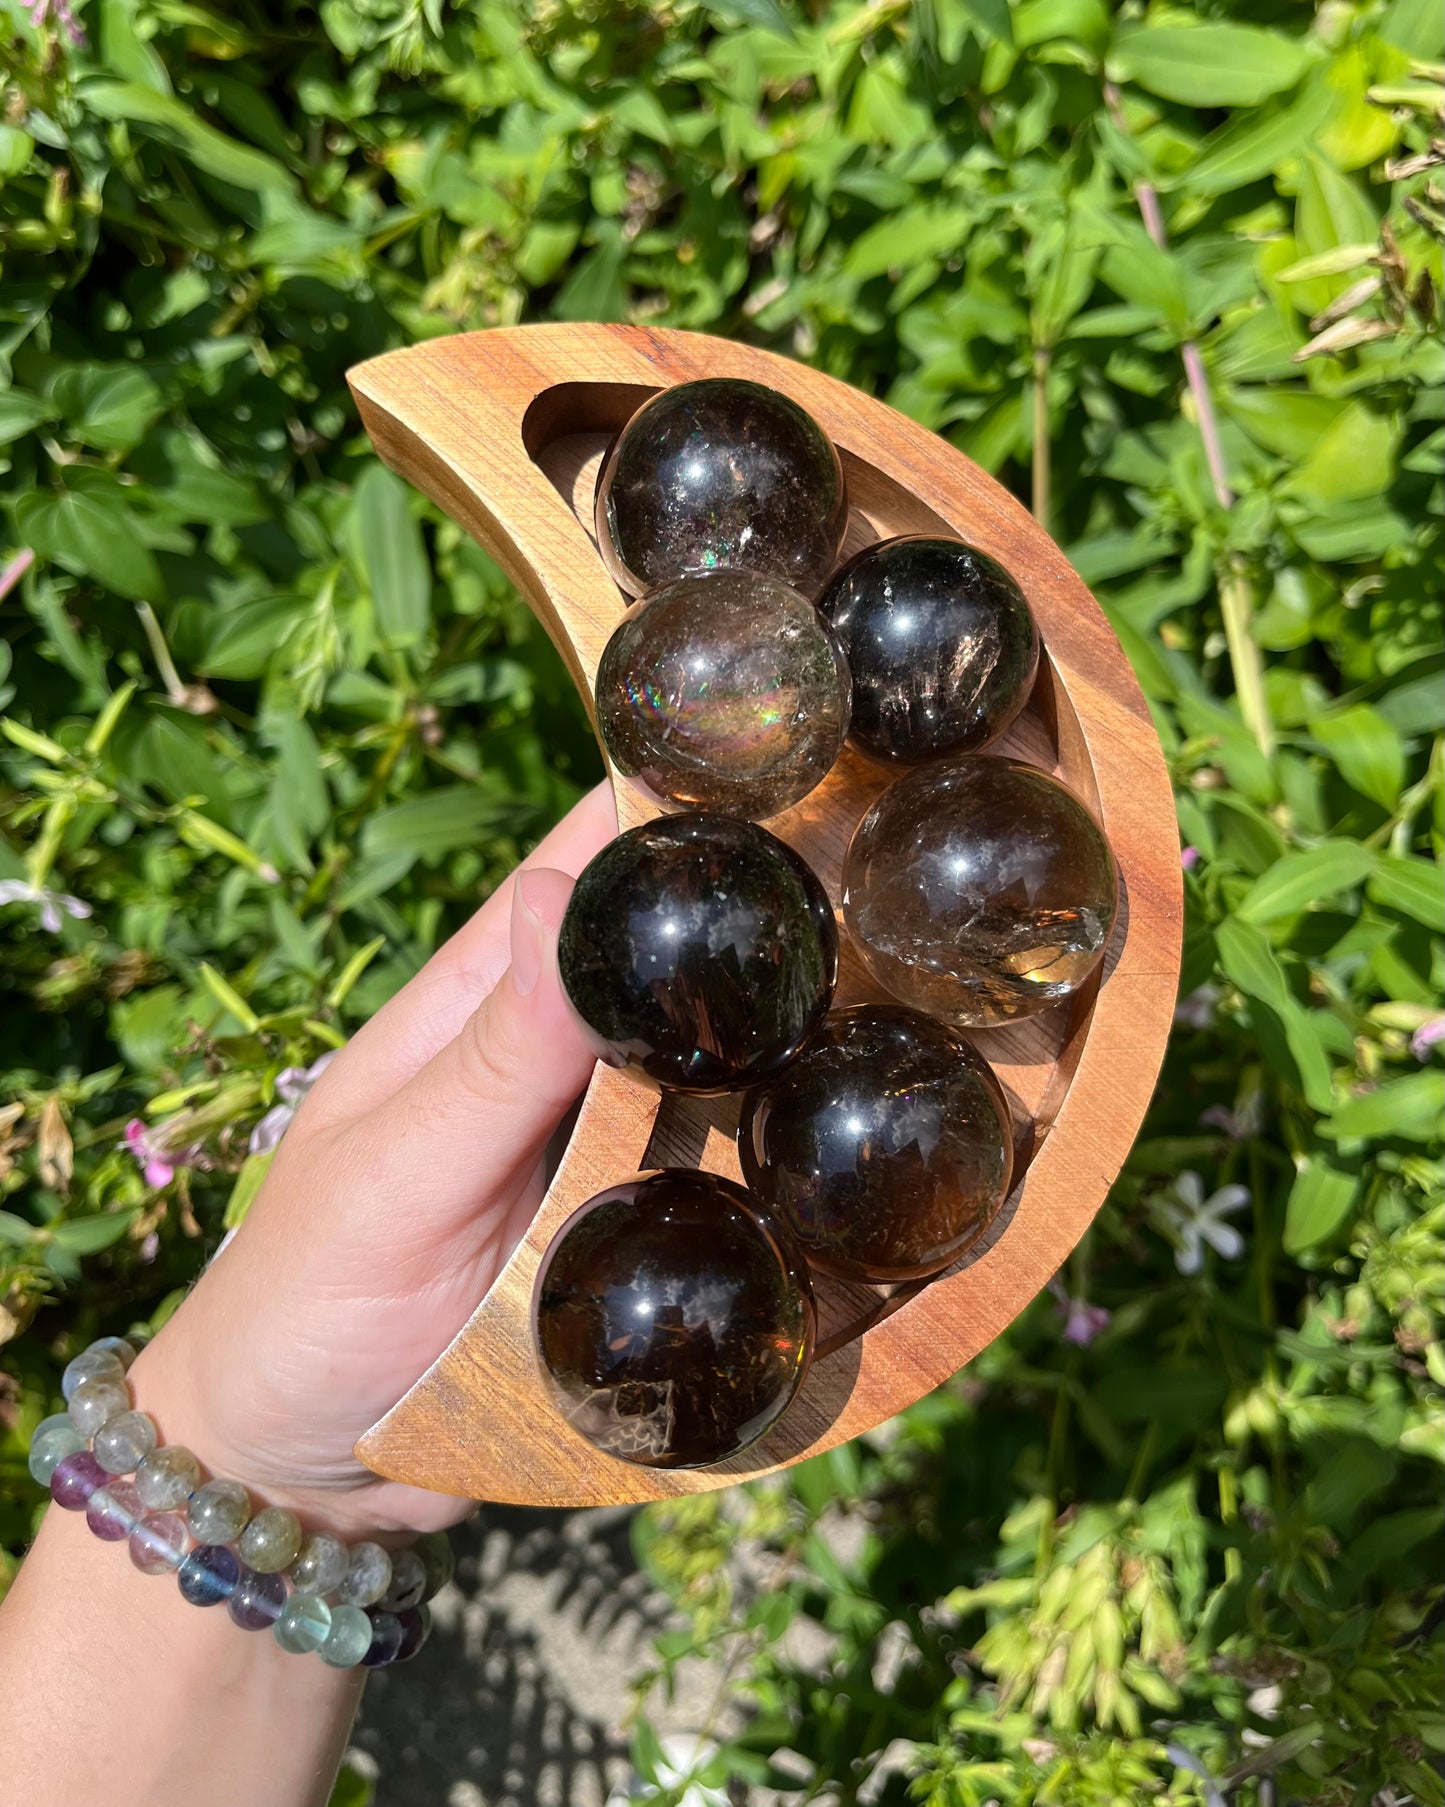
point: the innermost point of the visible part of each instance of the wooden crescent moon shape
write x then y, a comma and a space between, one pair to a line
504, 430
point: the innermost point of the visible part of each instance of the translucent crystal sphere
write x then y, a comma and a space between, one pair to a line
726, 692
979, 890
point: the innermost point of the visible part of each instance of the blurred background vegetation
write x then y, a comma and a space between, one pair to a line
273, 726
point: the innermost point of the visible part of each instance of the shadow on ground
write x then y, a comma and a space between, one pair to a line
518, 1699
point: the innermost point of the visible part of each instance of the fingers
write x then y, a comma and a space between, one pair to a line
432, 1008
455, 1147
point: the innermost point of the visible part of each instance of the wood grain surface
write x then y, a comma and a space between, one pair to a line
505, 430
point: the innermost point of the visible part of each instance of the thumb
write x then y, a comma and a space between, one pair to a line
472, 1125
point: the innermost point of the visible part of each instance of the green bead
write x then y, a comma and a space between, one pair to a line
368, 1577
95, 1402
218, 1512
321, 1566
122, 1443
167, 1478
435, 1550
349, 1638
272, 1540
54, 1440
304, 1624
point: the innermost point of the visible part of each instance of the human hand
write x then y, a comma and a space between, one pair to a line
411, 1171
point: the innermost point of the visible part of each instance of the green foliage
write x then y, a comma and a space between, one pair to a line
276, 724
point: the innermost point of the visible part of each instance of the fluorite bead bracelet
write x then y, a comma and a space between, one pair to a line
351, 1605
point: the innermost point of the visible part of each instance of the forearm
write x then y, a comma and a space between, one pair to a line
111, 1680
108, 1676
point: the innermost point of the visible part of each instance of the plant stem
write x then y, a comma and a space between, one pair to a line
1237, 606
1043, 355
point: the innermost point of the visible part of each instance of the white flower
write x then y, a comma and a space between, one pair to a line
20, 890
1191, 1220
1197, 1010
292, 1085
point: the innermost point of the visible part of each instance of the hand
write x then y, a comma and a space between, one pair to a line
411, 1171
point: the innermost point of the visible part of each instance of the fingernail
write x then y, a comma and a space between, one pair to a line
529, 938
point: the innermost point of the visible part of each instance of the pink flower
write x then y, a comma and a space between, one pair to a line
1189, 858
158, 1167
1426, 1036
1082, 1321
292, 1085
65, 19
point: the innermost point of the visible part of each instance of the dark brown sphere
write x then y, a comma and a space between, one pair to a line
720, 474
886, 1146
979, 890
700, 950
941, 644
674, 1319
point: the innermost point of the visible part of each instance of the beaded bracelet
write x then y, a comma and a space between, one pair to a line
353, 1606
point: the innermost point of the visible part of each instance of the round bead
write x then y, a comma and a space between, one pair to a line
114, 1511
700, 950
303, 1624
886, 1146
674, 1318
218, 1512
727, 692
209, 1575
321, 1564
367, 1577
256, 1600
158, 1544
55, 1438
124, 1442
720, 474
980, 891
438, 1558
940, 642
120, 1347
95, 1402
387, 1634
349, 1638
167, 1478
272, 1540
408, 1581
91, 1364
74, 1478
415, 1630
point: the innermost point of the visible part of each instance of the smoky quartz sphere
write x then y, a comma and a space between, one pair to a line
674, 1319
941, 644
979, 890
885, 1147
720, 474
700, 951
724, 692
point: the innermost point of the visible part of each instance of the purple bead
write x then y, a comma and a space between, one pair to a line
387, 1635
159, 1542
209, 1575
415, 1629
75, 1479
114, 1510
256, 1602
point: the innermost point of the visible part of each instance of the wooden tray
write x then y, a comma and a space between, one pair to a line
505, 431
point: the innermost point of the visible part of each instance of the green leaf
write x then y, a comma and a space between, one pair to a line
436, 823
393, 556
1331, 210
1353, 458
16, 150
92, 536
1320, 1200
1300, 879
21, 413
1410, 1108
248, 1184
1253, 145
1209, 65
169, 120
906, 240
1414, 887
89, 1235
1366, 750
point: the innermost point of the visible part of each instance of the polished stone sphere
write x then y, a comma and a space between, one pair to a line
720, 474
700, 951
727, 691
674, 1319
979, 890
940, 642
885, 1147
